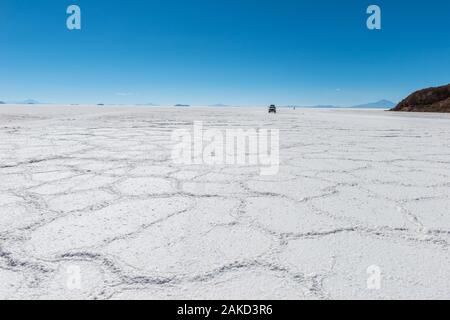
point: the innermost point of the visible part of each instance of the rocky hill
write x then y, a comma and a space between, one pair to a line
435, 99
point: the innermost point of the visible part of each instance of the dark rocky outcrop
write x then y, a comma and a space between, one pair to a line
435, 99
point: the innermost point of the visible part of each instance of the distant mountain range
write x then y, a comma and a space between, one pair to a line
313, 107
382, 104
323, 107
219, 105
28, 101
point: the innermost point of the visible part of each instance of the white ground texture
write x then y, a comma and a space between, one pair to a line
93, 193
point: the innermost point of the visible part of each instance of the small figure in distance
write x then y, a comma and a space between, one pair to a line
272, 109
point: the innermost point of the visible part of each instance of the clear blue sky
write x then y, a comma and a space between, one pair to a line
238, 52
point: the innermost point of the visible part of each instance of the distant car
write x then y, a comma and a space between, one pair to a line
272, 109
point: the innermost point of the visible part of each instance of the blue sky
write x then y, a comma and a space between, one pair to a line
237, 52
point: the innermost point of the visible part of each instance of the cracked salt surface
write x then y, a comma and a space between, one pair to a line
95, 190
